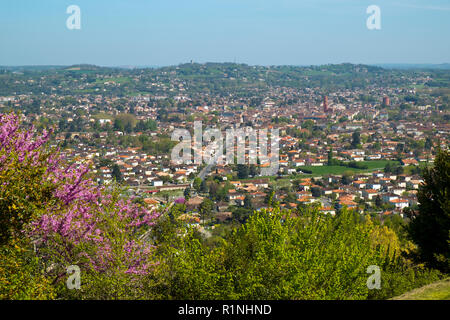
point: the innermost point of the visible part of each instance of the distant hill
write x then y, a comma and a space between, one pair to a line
213, 78
83, 67
31, 68
330, 67
442, 66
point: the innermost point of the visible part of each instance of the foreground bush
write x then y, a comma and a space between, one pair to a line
56, 212
277, 255
22, 275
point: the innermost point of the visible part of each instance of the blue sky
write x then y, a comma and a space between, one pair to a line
263, 32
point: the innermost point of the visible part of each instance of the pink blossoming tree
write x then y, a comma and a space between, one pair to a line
67, 216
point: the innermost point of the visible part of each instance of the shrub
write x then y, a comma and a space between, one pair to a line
58, 209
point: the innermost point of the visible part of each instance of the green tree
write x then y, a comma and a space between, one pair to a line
204, 187
388, 168
430, 227
330, 157
214, 189
347, 178
205, 209
197, 184
187, 193
356, 139
316, 192
268, 199
119, 125
253, 170
428, 143
116, 174
128, 127
248, 202
378, 201
242, 171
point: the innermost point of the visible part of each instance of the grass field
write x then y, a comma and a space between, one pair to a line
171, 195
102, 115
436, 291
373, 165
114, 79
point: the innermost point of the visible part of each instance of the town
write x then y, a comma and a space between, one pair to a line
350, 136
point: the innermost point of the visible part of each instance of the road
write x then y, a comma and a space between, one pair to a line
205, 171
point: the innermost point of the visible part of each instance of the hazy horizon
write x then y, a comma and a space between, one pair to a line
254, 32
225, 62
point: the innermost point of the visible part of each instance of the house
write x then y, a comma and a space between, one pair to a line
400, 203
223, 216
233, 194
239, 201
299, 163
398, 191
414, 184
250, 187
358, 158
391, 176
378, 174
194, 203
157, 183
369, 194
409, 162
359, 184
328, 210
302, 194
290, 171
374, 186
304, 186
283, 163
306, 200
151, 202
316, 164
402, 184
347, 203
222, 206
338, 192
236, 184
389, 197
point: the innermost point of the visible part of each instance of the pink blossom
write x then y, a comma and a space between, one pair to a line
86, 222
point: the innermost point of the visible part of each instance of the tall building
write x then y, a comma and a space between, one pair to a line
325, 104
386, 101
